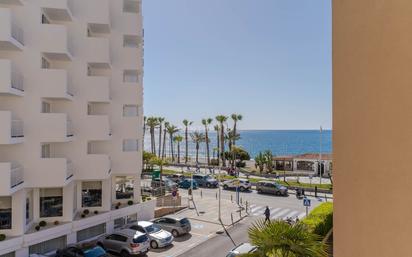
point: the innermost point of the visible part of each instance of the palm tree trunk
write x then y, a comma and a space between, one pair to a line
222, 144
197, 152
234, 132
160, 139
207, 148
218, 147
164, 143
178, 152
186, 152
171, 147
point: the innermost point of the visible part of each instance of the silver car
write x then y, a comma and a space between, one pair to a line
125, 242
242, 249
158, 237
176, 226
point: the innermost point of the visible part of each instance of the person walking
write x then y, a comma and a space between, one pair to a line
267, 214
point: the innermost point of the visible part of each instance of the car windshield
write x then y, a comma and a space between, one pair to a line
95, 252
231, 254
184, 221
152, 229
140, 239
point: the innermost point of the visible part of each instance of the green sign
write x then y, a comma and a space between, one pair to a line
156, 174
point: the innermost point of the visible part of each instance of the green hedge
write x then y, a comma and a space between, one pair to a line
320, 219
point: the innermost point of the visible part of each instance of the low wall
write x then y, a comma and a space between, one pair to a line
168, 200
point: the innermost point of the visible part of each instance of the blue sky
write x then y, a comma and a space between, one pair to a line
269, 60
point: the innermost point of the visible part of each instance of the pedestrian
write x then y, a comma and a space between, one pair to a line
267, 214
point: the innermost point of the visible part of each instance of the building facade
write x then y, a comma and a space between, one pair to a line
71, 113
308, 162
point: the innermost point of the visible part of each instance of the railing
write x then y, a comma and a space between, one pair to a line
16, 176
17, 128
70, 170
17, 81
17, 33
69, 128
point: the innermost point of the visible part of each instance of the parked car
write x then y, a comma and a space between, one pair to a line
126, 242
176, 226
205, 180
158, 237
187, 183
271, 187
242, 249
75, 251
243, 184
166, 182
177, 178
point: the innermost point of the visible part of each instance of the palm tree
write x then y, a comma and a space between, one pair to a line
279, 239
197, 138
222, 119
236, 118
144, 129
260, 161
269, 160
152, 123
186, 123
216, 128
231, 137
160, 120
178, 139
206, 123
171, 129
164, 140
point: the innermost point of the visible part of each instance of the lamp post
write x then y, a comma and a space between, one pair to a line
219, 210
320, 155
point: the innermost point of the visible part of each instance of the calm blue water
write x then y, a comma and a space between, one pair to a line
280, 142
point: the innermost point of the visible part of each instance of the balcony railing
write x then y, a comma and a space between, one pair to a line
69, 128
16, 177
70, 170
17, 128
17, 81
17, 33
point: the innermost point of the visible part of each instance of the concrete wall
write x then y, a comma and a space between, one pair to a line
372, 127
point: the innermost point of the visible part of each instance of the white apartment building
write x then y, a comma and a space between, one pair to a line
70, 118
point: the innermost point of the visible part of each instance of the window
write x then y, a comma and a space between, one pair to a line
44, 19
131, 218
5, 212
51, 202
118, 223
45, 64
131, 6
130, 41
130, 76
29, 207
91, 194
45, 107
124, 187
48, 246
138, 228
11, 254
45, 151
130, 145
130, 110
75, 198
91, 232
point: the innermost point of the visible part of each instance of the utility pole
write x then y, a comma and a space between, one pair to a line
219, 213
320, 156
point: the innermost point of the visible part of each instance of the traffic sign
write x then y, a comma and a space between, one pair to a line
156, 174
306, 202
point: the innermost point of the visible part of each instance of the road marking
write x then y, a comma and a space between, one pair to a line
281, 213
291, 214
302, 215
257, 210
273, 211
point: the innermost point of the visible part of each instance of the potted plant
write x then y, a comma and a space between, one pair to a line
42, 223
130, 202
56, 222
37, 228
2, 237
86, 212
83, 216
96, 212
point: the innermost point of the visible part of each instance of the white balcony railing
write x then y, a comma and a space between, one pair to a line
70, 170
17, 128
69, 128
17, 33
16, 176
17, 80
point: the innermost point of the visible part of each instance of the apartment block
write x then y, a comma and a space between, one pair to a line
71, 113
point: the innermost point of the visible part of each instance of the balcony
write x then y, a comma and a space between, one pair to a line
131, 6
11, 177
96, 166
98, 89
98, 53
131, 57
98, 22
55, 44
11, 129
55, 127
11, 2
58, 10
11, 81
97, 127
58, 171
11, 35
55, 84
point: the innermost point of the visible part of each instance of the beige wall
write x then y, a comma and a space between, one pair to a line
372, 127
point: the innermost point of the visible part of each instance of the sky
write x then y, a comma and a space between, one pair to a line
269, 60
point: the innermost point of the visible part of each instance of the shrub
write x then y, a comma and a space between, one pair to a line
116, 207
2, 237
240, 164
214, 162
42, 223
320, 219
86, 212
96, 212
37, 227
130, 202
56, 222
148, 198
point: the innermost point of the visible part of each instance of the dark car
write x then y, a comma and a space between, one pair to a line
187, 183
205, 181
74, 251
177, 178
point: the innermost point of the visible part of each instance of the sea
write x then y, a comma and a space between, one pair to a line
279, 142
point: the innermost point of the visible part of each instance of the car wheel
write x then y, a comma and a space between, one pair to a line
208, 185
278, 193
259, 191
175, 233
242, 189
225, 187
124, 254
154, 244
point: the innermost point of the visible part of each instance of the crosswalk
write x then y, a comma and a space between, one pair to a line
276, 213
